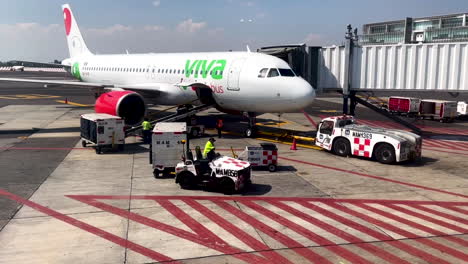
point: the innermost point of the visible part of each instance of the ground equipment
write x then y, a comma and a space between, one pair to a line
342, 136
265, 155
102, 130
167, 146
445, 111
228, 174
404, 105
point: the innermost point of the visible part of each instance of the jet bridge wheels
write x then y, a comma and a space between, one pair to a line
341, 147
385, 153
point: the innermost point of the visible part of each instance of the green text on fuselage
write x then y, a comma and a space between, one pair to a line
204, 67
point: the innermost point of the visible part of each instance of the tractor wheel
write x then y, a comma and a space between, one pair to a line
227, 186
157, 173
341, 147
385, 154
186, 180
195, 133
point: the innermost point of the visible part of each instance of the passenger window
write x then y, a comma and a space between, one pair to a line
326, 128
273, 73
262, 73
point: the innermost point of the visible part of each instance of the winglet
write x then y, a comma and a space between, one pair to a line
248, 48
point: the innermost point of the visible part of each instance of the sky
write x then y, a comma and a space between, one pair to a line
33, 29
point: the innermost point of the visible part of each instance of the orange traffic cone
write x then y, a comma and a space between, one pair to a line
293, 146
66, 100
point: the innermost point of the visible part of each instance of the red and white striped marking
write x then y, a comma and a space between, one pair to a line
315, 230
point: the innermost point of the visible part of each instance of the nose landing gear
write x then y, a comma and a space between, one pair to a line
252, 129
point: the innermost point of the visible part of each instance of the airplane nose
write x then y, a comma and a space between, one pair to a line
305, 94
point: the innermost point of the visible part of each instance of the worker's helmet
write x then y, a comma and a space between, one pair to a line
212, 139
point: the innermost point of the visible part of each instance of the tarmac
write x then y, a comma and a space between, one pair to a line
62, 203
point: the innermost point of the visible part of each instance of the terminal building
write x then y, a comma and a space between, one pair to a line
436, 29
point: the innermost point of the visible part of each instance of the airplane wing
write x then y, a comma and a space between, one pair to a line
58, 82
147, 88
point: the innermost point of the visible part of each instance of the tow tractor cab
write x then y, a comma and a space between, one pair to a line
225, 173
342, 136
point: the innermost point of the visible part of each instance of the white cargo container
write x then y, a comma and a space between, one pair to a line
438, 109
462, 109
167, 146
102, 130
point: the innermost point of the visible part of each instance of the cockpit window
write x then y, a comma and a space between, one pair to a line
262, 73
287, 72
273, 73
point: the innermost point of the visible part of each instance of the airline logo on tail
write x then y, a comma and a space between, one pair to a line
76, 44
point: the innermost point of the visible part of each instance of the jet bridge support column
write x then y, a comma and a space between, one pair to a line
350, 37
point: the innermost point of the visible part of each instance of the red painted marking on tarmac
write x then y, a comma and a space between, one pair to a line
455, 253
342, 252
421, 254
376, 177
200, 238
366, 230
274, 234
89, 228
444, 151
237, 232
207, 235
203, 236
387, 256
309, 118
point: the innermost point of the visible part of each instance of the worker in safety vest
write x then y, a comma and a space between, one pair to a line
147, 127
219, 126
209, 151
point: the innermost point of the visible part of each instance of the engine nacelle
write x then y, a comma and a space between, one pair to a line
126, 104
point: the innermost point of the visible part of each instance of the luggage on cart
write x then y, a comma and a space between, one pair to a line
265, 155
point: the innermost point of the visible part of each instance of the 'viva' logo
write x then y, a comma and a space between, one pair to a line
214, 67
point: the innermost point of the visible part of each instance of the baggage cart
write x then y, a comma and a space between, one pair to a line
462, 108
444, 111
102, 130
404, 105
265, 155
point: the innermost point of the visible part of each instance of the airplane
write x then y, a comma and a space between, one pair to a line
246, 83
17, 68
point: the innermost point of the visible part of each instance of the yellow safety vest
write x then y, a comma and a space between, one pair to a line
146, 125
208, 147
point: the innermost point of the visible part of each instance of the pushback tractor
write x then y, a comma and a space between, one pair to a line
342, 136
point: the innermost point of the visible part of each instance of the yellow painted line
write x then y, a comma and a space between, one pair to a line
29, 96
328, 111
72, 103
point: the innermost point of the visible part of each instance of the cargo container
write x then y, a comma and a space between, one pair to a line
404, 105
444, 111
167, 147
102, 130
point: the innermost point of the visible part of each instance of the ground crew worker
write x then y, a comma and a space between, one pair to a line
147, 127
219, 126
209, 151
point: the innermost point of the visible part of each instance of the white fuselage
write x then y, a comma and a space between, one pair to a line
232, 76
